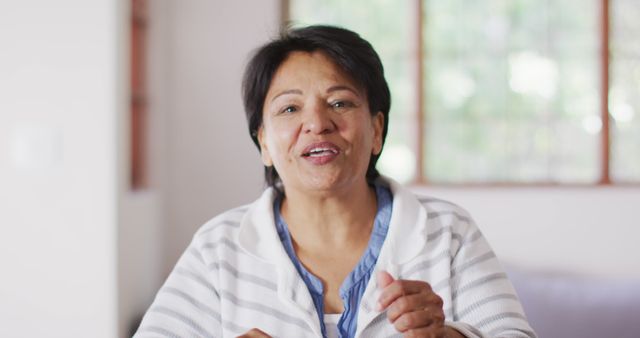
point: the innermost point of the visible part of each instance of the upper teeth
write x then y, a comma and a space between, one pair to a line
318, 150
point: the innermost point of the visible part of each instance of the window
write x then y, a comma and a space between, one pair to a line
624, 91
503, 91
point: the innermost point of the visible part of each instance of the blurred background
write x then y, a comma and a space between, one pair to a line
122, 131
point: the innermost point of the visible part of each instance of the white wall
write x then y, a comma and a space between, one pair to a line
581, 230
59, 103
212, 165
80, 253
139, 255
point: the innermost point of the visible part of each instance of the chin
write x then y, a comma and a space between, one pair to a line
318, 184
327, 183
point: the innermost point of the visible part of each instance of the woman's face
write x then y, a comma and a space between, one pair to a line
317, 129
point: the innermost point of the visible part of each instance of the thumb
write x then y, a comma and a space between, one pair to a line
255, 333
384, 279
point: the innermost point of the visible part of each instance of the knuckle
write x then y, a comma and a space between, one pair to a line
421, 333
408, 284
411, 334
409, 321
437, 333
439, 317
399, 326
438, 300
392, 313
399, 286
403, 304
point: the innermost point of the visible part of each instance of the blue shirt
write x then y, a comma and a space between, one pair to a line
353, 287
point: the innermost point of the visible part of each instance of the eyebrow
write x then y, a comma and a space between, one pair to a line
330, 90
342, 87
288, 91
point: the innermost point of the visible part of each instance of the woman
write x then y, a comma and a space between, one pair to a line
331, 248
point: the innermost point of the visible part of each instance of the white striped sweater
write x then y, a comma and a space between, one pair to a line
235, 275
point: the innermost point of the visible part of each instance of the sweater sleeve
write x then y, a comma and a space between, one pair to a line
484, 302
187, 305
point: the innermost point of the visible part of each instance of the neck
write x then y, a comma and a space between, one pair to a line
334, 220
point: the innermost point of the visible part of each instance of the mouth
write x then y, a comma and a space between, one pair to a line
320, 150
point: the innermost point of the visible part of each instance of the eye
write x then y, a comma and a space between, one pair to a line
289, 109
342, 104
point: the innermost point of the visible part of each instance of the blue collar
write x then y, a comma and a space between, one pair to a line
353, 287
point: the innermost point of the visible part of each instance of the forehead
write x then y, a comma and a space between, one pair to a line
302, 70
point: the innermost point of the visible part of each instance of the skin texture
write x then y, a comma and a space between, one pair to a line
329, 207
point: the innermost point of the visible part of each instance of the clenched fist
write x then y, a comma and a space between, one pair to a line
413, 308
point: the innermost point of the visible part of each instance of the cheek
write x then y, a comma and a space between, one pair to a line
363, 142
281, 141
366, 136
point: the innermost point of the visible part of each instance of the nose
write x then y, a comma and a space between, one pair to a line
318, 120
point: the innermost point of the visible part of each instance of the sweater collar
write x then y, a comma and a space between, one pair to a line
407, 229
406, 238
258, 235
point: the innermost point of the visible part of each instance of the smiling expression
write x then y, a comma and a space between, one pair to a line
317, 129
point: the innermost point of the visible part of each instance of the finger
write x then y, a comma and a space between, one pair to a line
254, 333
419, 319
410, 303
384, 279
401, 288
425, 332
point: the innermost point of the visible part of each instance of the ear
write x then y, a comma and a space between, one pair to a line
378, 127
264, 151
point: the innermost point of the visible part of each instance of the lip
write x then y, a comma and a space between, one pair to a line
330, 152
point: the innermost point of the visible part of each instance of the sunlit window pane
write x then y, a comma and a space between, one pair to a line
624, 93
511, 87
387, 25
511, 91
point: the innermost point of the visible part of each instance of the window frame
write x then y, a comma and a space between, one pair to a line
138, 107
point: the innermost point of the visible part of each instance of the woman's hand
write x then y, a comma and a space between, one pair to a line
254, 333
413, 307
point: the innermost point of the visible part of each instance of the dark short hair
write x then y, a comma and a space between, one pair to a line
351, 53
